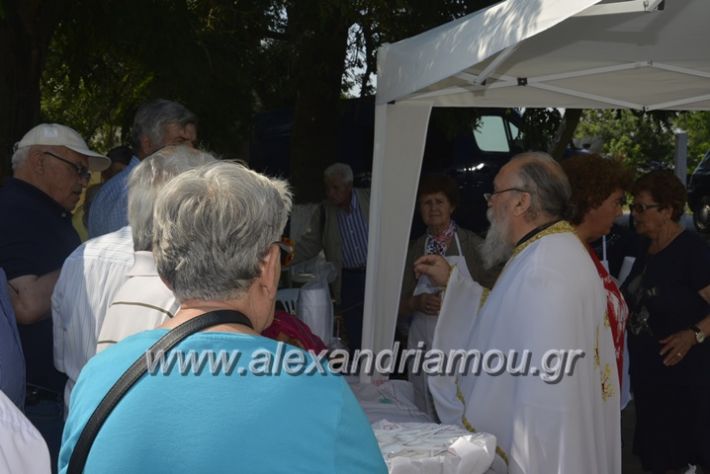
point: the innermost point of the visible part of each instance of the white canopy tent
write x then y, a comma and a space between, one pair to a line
518, 53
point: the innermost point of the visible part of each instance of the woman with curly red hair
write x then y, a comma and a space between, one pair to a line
598, 188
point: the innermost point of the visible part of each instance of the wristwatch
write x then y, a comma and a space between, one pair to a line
699, 335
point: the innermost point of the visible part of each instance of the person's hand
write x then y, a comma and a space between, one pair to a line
676, 346
429, 303
435, 267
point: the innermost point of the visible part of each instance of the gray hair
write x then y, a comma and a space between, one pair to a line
152, 117
547, 182
339, 169
19, 157
213, 226
148, 179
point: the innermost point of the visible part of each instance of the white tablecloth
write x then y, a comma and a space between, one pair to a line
430, 448
412, 443
391, 400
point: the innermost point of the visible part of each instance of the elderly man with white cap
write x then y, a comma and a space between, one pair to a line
51, 166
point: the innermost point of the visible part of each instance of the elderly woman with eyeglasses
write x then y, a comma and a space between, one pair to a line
253, 404
668, 292
437, 197
598, 189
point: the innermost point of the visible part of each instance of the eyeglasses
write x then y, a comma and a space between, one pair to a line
287, 250
488, 196
82, 171
640, 208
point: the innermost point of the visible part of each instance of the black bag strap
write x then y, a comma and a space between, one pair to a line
136, 371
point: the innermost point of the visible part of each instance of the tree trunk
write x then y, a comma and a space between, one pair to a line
319, 72
564, 134
25, 32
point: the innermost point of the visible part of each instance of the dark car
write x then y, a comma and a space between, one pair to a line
472, 158
472, 155
699, 195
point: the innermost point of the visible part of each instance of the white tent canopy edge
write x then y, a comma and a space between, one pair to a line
517, 53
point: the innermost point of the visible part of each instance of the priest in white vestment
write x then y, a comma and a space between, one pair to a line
549, 305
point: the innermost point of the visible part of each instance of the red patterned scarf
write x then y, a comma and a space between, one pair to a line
437, 244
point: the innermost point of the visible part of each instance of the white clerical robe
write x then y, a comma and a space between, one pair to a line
548, 297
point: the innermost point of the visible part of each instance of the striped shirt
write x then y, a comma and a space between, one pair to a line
143, 302
90, 278
353, 234
109, 209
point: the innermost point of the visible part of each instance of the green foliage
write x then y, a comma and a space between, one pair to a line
453, 121
540, 127
697, 124
646, 140
99, 106
227, 60
108, 57
642, 140
386, 21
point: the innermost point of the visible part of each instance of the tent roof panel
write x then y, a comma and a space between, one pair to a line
674, 39
419, 61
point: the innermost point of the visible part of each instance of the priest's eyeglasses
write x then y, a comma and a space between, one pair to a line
488, 196
82, 171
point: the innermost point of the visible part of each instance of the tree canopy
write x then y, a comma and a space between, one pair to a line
90, 64
646, 141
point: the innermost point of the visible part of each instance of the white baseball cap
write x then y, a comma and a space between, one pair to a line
61, 135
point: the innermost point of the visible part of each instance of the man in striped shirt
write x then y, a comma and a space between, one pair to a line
157, 124
339, 227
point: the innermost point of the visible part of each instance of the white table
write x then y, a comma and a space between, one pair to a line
412, 443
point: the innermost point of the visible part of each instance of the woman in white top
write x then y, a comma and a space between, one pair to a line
420, 300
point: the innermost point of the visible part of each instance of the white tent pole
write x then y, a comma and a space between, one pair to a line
589, 72
508, 81
683, 70
445, 92
676, 103
475, 79
681, 155
584, 95
465, 76
400, 135
538, 85
633, 6
491, 68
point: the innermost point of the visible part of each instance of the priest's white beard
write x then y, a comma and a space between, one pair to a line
496, 248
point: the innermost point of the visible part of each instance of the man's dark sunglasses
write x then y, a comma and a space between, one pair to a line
82, 171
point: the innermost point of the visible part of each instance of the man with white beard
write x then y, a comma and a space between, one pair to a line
560, 413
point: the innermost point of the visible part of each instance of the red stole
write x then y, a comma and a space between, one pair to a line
616, 309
